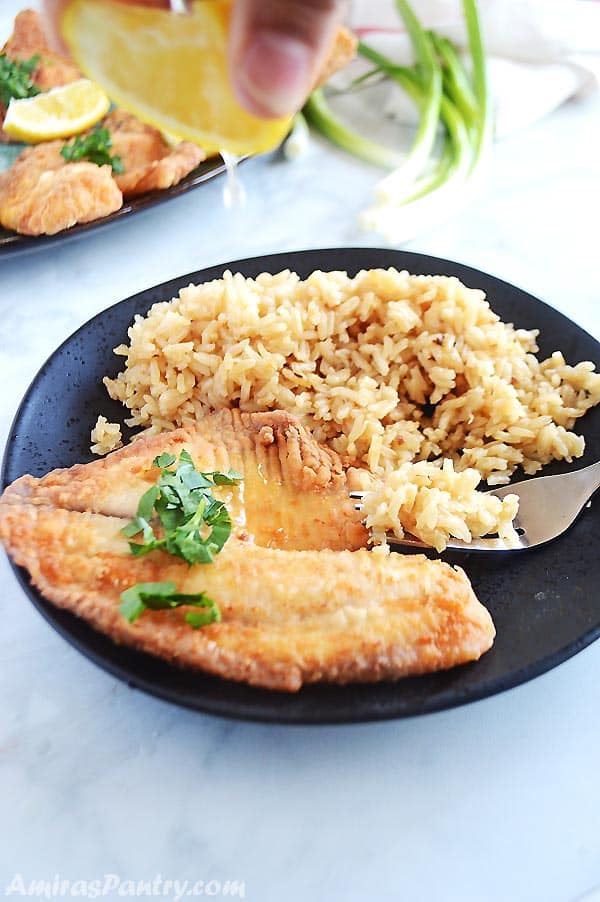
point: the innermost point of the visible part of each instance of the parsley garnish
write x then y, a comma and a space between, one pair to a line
195, 524
163, 596
94, 147
15, 79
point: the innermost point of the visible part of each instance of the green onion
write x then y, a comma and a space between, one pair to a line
319, 113
484, 125
456, 156
424, 184
457, 85
431, 78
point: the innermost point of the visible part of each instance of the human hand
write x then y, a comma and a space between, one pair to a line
276, 48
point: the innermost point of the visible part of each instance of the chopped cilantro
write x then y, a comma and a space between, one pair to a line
15, 79
195, 525
94, 147
164, 596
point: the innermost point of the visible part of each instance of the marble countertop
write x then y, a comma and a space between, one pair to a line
497, 800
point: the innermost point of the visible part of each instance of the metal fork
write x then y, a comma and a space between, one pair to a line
548, 505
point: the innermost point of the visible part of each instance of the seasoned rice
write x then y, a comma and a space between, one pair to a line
435, 503
386, 367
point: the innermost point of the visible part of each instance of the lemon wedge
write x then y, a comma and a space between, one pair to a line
168, 69
58, 113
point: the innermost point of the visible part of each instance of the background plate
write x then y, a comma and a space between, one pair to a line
11, 243
545, 603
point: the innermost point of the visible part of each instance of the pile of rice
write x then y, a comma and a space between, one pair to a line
386, 367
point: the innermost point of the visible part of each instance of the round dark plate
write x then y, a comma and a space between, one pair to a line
12, 243
545, 603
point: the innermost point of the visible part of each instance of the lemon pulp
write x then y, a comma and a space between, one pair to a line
170, 70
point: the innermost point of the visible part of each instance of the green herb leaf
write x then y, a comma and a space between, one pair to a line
195, 524
133, 599
15, 79
164, 460
198, 619
164, 596
147, 501
94, 147
232, 477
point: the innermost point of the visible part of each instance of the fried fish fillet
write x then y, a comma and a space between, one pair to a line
341, 52
151, 164
294, 494
27, 40
288, 617
42, 194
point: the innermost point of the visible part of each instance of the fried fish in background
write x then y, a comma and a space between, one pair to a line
150, 163
289, 617
41, 194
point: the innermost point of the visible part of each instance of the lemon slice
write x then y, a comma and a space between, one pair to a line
58, 113
169, 69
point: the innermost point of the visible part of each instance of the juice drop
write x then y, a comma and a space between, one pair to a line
234, 193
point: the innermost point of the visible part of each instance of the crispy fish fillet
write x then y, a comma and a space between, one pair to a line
27, 40
150, 163
294, 494
288, 617
342, 51
42, 194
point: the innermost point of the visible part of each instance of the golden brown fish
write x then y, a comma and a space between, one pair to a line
341, 52
41, 194
27, 40
150, 163
288, 617
294, 493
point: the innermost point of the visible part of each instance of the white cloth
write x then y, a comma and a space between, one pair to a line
541, 52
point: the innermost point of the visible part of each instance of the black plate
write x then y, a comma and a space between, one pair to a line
545, 603
11, 243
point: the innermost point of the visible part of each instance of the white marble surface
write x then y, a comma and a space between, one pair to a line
499, 800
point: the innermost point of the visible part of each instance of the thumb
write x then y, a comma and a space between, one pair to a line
276, 50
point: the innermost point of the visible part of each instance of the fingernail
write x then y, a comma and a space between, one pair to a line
274, 76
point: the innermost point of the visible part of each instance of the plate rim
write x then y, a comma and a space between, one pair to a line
48, 611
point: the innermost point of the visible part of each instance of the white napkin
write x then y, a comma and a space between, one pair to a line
541, 52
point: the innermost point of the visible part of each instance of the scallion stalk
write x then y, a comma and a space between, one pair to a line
395, 183
456, 157
456, 81
484, 126
423, 187
319, 113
